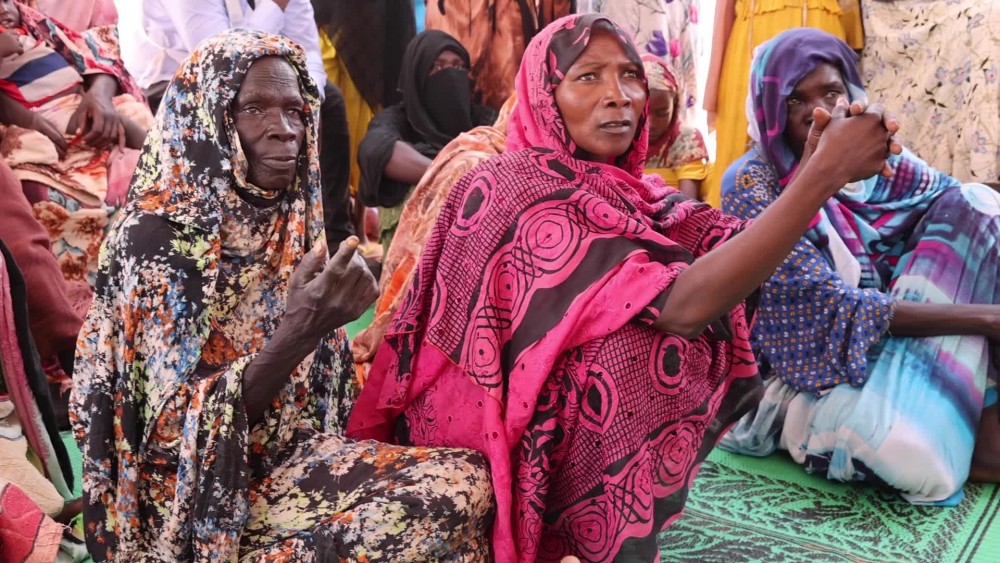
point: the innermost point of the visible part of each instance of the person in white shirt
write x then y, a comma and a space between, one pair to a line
157, 35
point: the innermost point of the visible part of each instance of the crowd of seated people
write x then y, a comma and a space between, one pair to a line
563, 330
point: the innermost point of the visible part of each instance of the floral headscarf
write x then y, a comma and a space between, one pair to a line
193, 282
681, 144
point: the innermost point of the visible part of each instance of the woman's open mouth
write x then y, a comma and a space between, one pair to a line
618, 127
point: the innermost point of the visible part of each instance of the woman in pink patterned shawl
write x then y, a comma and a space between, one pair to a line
567, 319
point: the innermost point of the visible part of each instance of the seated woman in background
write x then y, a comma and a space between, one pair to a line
403, 139
416, 222
212, 379
580, 324
878, 331
74, 118
676, 151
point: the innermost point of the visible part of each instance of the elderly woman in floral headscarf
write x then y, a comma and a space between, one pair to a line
582, 325
212, 380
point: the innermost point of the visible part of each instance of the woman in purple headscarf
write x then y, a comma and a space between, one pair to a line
878, 331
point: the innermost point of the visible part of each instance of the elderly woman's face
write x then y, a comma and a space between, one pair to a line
269, 112
820, 88
602, 99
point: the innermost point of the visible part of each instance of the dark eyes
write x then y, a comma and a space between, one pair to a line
627, 74
795, 101
256, 110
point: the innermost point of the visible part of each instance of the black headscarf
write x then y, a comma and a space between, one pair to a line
438, 107
370, 37
435, 110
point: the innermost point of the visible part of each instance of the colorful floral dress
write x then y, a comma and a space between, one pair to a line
936, 65
75, 197
193, 282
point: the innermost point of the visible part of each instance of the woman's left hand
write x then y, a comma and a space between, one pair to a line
98, 122
889, 121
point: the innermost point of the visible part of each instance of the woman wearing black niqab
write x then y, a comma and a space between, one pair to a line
403, 140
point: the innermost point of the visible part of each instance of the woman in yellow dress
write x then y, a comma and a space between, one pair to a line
676, 151
740, 26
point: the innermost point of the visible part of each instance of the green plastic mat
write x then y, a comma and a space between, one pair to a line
752, 509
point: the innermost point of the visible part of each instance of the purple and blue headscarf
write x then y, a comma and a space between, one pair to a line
873, 219
777, 68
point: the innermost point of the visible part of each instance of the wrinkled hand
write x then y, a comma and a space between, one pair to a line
9, 45
889, 121
45, 127
98, 122
326, 294
854, 148
821, 118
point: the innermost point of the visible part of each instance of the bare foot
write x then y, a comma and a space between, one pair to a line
69, 511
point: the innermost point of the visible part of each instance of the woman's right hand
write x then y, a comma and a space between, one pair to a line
9, 45
325, 294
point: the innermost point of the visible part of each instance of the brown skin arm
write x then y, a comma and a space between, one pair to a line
690, 188
323, 295
850, 149
931, 319
13, 113
406, 165
102, 86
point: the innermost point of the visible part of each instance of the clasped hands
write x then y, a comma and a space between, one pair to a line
844, 110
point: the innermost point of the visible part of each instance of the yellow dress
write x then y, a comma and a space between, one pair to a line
755, 22
359, 113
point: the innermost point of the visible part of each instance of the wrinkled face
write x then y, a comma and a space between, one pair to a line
602, 98
447, 59
10, 15
661, 113
270, 121
820, 88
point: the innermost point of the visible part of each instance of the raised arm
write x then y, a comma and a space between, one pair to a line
847, 149
323, 295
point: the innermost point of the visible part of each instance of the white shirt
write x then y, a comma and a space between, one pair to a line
157, 35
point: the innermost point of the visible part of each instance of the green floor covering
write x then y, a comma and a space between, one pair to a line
750, 509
